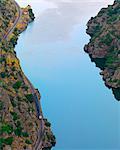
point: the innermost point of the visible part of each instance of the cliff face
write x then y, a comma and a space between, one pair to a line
20, 127
104, 45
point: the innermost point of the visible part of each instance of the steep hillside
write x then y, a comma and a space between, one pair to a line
20, 126
104, 45
7, 15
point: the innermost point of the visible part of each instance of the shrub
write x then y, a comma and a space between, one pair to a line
25, 134
18, 131
18, 123
8, 141
1, 105
107, 39
15, 116
13, 40
17, 85
2, 59
31, 14
48, 124
27, 141
29, 97
6, 128
14, 103
3, 74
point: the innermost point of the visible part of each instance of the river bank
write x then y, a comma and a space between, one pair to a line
46, 137
103, 47
20, 123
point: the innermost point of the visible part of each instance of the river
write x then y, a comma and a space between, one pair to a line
83, 112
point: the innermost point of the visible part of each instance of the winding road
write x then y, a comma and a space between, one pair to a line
38, 144
5, 37
15, 23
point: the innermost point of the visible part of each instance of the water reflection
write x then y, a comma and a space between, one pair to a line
56, 23
57, 20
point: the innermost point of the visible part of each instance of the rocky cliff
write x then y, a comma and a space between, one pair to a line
104, 45
20, 126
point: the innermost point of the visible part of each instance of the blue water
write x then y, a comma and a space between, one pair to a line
83, 112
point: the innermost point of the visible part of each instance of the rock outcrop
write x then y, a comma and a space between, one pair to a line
104, 45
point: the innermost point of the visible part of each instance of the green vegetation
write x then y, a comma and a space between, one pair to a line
113, 11
15, 116
13, 40
27, 141
1, 105
104, 45
6, 141
29, 97
25, 134
8, 11
48, 124
31, 109
6, 128
31, 14
2, 59
18, 131
110, 60
17, 85
107, 39
15, 102
112, 19
19, 128
3, 74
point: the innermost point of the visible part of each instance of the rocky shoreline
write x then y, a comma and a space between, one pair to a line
104, 45
48, 140
19, 123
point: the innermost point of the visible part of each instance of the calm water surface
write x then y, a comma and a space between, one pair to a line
83, 112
